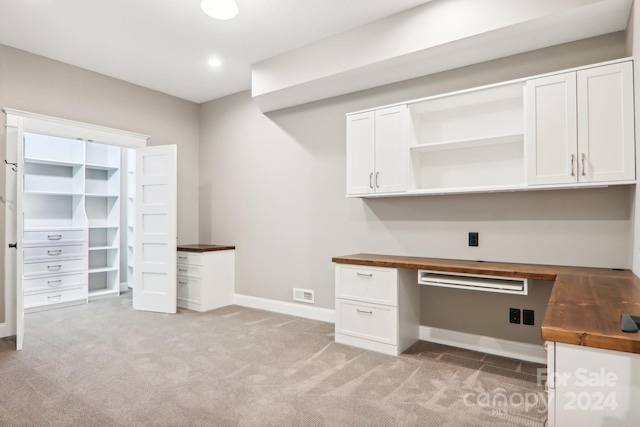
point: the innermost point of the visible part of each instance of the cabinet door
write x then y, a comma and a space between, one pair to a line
551, 130
605, 123
596, 387
360, 153
391, 133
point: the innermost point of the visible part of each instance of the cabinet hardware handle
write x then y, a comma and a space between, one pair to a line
364, 311
371, 180
183, 270
182, 257
54, 236
584, 168
54, 267
182, 282
13, 245
573, 166
50, 297
377, 179
55, 252
364, 274
54, 283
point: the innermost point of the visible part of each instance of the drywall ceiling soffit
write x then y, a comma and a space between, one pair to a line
589, 19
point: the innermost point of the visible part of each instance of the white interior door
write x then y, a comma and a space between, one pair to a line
156, 229
14, 315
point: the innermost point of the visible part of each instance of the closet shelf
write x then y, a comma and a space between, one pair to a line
103, 248
101, 167
102, 269
41, 161
52, 193
101, 292
115, 196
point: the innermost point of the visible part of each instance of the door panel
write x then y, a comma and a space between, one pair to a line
156, 229
551, 130
391, 134
360, 153
605, 123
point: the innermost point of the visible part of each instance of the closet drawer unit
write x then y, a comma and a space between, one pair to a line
54, 267
369, 284
189, 271
189, 258
368, 321
52, 283
189, 292
57, 296
53, 237
54, 252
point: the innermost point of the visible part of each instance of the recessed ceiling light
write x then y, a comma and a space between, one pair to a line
215, 62
220, 9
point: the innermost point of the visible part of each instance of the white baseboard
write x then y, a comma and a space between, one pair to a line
282, 307
490, 345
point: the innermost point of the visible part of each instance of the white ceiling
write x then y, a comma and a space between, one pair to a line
165, 44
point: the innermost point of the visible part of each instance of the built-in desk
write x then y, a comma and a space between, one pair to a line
593, 368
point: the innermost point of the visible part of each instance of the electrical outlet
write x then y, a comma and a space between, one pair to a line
527, 317
473, 238
514, 315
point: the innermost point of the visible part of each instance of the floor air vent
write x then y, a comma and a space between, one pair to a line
303, 295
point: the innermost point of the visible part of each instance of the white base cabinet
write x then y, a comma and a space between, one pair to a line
206, 277
376, 308
592, 387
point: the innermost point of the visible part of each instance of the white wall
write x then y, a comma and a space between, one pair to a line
274, 186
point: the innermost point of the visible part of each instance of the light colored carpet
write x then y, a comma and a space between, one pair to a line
103, 364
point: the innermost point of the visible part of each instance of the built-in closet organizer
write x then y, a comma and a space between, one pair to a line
71, 221
568, 129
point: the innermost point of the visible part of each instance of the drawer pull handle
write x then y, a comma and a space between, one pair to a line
54, 283
365, 274
181, 282
55, 252
364, 311
182, 258
183, 270
54, 236
54, 267
56, 297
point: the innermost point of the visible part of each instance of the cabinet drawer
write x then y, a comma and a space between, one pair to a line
55, 297
369, 284
189, 258
56, 282
369, 321
190, 290
189, 271
54, 252
53, 237
54, 267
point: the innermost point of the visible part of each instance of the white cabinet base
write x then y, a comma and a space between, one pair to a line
206, 279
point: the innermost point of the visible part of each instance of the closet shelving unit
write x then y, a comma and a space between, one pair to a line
131, 208
55, 224
102, 205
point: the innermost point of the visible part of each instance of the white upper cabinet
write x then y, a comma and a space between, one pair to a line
580, 126
377, 151
391, 150
558, 130
551, 129
605, 123
360, 153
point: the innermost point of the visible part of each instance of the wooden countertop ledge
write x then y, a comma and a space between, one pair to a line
198, 248
585, 303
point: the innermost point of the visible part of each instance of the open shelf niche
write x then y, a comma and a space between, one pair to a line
468, 140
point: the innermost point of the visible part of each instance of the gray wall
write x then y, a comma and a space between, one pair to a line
40, 85
274, 186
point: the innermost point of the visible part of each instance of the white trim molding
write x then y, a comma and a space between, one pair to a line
516, 350
282, 307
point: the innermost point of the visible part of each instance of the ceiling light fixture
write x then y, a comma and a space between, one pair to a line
220, 9
215, 62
